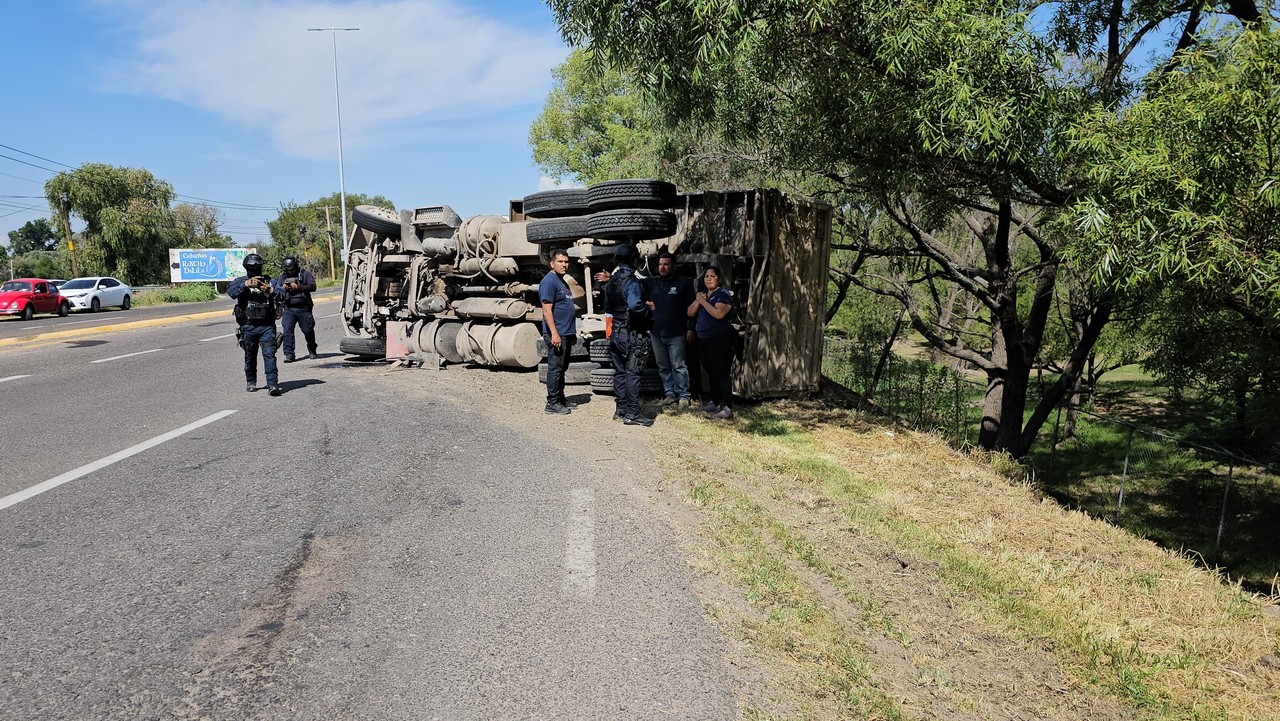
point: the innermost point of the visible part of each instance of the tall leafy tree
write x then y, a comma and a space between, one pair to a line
197, 226
38, 234
600, 124
306, 230
1184, 185
127, 220
947, 113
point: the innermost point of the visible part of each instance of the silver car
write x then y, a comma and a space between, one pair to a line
94, 293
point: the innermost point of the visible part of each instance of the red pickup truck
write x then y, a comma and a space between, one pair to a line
25, 297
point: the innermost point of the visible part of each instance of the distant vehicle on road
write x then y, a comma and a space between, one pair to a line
25, 297
94, 293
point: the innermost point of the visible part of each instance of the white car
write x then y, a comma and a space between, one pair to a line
92, 294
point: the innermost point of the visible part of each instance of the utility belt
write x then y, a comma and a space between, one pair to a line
255, 313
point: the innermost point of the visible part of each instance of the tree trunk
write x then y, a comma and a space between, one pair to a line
884, 358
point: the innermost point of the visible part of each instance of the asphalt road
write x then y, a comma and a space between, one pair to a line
369, 545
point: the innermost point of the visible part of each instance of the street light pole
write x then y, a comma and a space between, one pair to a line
337, 96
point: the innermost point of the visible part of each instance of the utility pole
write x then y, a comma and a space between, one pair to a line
337, 98
66, 226
328, 227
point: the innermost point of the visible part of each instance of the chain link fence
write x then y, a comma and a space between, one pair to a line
1209, 502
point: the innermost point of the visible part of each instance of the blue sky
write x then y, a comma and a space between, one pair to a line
233, 101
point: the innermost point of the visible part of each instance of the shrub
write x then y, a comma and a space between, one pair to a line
186, 293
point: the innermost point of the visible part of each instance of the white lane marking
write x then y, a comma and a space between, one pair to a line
73, 322
580, 546
127, 355
14, 378
33, 327
216, 337
56, 481
331, 315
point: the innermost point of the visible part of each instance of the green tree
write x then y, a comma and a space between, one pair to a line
197, 226
41, 264
306, 231
1184, 185
598, 124
38, 234
954, 114
127, 220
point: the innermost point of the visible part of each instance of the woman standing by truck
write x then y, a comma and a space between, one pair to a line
716, 341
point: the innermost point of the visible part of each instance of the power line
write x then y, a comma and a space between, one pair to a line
217, 203
20, 210
38, 167
37, 157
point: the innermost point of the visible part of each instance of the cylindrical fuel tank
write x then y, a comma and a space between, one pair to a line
440, 337
493, 344
478, 235
502, 308
497, 267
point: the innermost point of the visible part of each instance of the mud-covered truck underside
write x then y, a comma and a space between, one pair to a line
426, 286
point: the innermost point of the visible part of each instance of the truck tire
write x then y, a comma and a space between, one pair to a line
556, 230
600, 350
577, 374
377, 219
365, 347
602, 381
631, 224
600, 354
617, 194
563, 203
579, 349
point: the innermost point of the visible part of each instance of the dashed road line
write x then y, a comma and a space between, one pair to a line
14, 378
216, 337
127, 355
580, 545
101, 463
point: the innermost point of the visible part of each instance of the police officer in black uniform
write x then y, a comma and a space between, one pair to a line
298, 284
257, 298
629, 345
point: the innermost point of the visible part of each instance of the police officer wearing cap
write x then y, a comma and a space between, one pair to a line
298, 284
629, 344
257, 297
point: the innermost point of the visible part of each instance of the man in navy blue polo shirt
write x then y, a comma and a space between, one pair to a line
671, 294
558, 329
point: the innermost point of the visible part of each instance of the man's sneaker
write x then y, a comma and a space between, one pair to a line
618, 415
684, 403
274, 390
250, 386
725, 413
637, 421
668, 401
568, 403
557, 409
710, 408
313, 352
289, 359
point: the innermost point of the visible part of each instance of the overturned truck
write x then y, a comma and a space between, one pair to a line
429, 288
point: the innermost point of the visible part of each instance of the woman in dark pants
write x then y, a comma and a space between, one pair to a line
716, 341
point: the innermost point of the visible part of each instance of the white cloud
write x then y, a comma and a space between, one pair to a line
254, 62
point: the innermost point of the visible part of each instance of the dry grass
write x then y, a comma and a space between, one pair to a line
876, 573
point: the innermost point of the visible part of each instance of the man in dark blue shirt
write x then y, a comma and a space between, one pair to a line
671, 294
559, 329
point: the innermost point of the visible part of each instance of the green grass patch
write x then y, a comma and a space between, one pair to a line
761, 499
185, 293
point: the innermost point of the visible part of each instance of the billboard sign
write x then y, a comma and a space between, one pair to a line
206, 264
